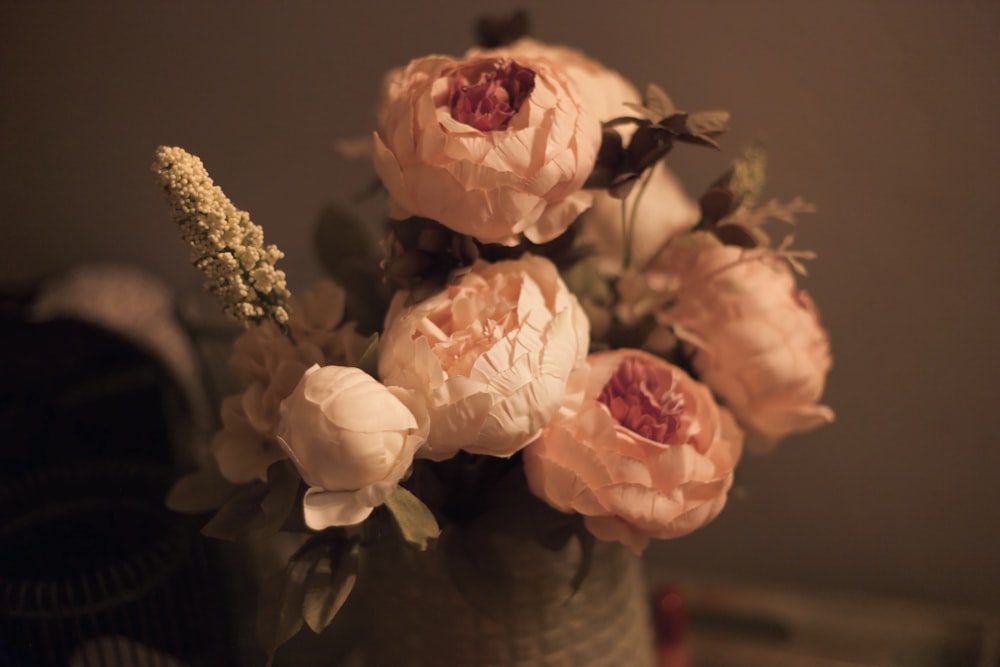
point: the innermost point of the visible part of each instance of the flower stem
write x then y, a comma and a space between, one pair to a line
628, 221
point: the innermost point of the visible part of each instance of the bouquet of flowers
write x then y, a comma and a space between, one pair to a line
552, 340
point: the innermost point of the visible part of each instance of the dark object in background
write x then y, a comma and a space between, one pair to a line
496, 31
74, 393
97, 572
94, 570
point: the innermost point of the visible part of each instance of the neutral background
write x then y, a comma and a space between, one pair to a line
883, 113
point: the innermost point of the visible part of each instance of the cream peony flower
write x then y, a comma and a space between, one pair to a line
352, 440
269, 364
493, 354
648, 455
756, 338
492, 147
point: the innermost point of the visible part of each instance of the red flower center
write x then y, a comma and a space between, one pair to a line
639, 401
487, 93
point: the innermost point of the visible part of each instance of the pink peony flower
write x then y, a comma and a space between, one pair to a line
493, 354
352, 440
665, 209
601, 90
756, 338
492, 147
648, 455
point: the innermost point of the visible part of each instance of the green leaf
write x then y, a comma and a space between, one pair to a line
349, 252
239, 516
736, 235
708, 123
658, 102
328, 586
282, 598
343, 243
283, 484
749, 173
586, 282
369, 358
200, 491
416, 522
257, 510
642, 111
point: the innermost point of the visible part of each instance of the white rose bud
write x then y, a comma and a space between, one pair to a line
352, 439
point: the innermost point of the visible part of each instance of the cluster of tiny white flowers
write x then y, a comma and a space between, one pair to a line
225, 245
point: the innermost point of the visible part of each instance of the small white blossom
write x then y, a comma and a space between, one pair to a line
225, 245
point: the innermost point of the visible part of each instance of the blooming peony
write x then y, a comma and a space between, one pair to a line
492, 353
492, 147
665, 209
756, 338
601, 90
352, 440
648, 455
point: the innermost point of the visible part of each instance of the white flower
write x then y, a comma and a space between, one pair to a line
352, 440
269, 364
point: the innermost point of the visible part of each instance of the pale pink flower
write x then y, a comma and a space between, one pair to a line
665, 209
756, 338
648, 455
268, 365
601, 90
352, 440
242, 453
493, 354
492, 147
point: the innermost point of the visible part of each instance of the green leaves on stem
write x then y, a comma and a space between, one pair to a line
310, 591
260, 509
658, 125
416, 522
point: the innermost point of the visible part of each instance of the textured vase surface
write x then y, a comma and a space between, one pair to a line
422, 617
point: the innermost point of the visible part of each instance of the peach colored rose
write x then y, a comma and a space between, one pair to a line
492, 353
756, 338
648, 455
268, 364
352, 440
491, 147
665, 209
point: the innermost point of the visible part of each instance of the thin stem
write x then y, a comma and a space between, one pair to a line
628, 228
626, 242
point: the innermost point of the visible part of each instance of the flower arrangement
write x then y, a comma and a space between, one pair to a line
555, 322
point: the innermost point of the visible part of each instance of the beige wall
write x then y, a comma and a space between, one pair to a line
883, 113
